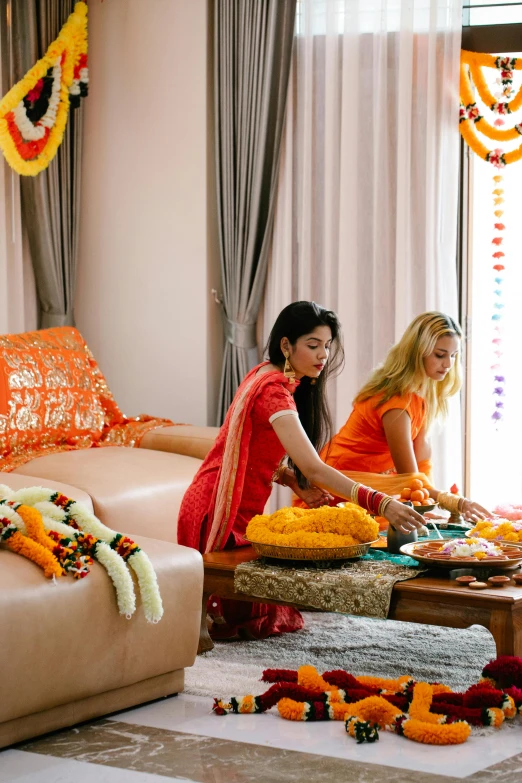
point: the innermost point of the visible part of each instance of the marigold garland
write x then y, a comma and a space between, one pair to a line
322, 527
75, 537
470, 119
17, 542
423, 712
32, 116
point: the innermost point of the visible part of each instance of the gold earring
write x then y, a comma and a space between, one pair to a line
288, 371
313, 381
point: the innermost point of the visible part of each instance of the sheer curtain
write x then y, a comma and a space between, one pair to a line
17, 290
366, 216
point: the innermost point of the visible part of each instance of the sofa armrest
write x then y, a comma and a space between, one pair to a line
181, 439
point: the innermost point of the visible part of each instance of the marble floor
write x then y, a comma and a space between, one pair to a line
180, 739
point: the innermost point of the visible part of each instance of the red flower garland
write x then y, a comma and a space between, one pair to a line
480, 705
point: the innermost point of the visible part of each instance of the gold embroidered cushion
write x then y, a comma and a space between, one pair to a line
53, 397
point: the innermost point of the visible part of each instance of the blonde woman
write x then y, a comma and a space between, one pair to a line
385, 442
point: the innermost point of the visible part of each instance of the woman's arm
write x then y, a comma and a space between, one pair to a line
406, 454
422, 446
397, 428
314, 497
295, 441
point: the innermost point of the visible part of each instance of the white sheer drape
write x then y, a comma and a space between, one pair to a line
366, 216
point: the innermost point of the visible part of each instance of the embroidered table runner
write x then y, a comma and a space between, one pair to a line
362, 587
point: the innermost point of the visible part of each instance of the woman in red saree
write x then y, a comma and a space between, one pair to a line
279, 410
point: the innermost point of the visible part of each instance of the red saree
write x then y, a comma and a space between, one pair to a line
232, 485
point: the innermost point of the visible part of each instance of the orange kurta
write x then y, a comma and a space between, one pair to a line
361, 443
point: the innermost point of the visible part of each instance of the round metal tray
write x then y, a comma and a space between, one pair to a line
514, 559
310, 553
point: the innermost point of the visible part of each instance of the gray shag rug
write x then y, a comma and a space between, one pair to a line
359, 645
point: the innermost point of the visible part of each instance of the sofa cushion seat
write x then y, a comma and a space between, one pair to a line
134, 491
67, 641
181, 439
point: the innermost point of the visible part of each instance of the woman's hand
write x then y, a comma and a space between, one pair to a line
314, 496
402, 517
474, 512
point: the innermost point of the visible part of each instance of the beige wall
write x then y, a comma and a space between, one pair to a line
148, 232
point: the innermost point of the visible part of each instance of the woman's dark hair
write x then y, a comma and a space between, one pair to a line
294, 321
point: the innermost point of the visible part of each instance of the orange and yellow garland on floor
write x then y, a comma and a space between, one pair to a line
428, 713
34, 113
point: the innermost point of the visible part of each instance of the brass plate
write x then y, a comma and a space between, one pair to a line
310, 553
514, 557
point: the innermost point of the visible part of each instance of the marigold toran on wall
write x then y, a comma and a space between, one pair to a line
34, 113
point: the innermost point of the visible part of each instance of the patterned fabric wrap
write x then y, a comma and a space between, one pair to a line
361, 588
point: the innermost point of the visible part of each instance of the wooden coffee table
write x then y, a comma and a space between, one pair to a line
432, 600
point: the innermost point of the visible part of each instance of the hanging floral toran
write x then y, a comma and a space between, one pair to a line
505, 102
471, 120
33, 114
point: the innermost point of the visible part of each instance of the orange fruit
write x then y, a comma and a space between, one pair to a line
406, 493
416, 484
430, 502
417, 494
426, 493
417, 503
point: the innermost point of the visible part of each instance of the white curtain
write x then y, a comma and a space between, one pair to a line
366, 217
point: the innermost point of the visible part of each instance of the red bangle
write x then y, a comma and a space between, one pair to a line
363, 497
377, 499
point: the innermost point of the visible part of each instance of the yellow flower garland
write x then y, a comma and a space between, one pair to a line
326, 527
71, 42
505, 531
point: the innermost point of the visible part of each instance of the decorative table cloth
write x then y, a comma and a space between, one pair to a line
362, 587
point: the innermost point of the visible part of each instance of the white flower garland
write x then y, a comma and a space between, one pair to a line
115, 566
55, 518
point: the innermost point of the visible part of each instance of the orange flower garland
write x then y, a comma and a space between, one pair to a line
470, 118
17, 542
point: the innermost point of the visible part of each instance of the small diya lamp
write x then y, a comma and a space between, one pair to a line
517, 578
467, 580
478, 585
498, 581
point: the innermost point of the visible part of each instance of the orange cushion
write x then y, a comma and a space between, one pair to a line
53, 397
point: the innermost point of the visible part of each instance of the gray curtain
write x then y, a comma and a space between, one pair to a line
51, 200
253, 48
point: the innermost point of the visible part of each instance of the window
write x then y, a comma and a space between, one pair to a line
494, 299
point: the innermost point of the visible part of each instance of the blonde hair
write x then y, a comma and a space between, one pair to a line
403, 369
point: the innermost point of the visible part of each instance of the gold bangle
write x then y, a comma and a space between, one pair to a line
355, 489
385, 502
450, 502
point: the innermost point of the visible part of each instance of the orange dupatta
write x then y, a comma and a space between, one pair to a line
227, 493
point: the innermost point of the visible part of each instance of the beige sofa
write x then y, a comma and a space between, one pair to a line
67, 655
